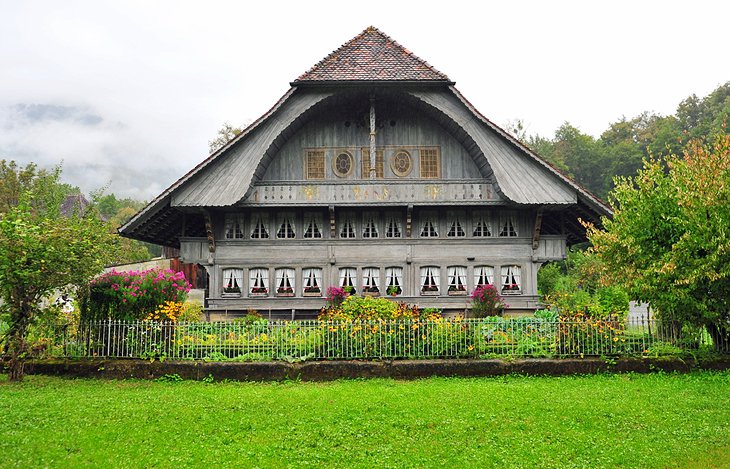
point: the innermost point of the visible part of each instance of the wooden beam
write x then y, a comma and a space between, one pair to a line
537, 229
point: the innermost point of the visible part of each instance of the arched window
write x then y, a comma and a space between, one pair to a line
234, 226
483, 275
285, 281
371, 280
511, 279
312, 281
232, 280
430, 280
394, 280
258, 281
348, 279
457, 279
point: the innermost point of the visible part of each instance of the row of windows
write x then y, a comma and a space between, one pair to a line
368, 280
370, 225
400, 163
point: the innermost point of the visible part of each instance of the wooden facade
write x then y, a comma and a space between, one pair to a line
382, 179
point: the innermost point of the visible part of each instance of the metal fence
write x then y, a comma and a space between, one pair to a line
387, 339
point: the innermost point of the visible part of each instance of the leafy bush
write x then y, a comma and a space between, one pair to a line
368, 308
132, 295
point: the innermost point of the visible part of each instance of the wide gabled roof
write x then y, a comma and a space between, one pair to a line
225, 177
371, 56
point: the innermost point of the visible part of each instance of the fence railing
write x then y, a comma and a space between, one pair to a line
388, 339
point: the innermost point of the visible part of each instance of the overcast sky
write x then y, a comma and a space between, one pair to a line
128, 93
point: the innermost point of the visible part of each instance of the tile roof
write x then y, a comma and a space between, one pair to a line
372, 56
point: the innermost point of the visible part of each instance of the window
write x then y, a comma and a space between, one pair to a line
258, 281
348, 279
342, 164
430, 163
429, 280
260, 228
457, 280
347, 226
370, 227
312, 281
429, 226
392, 227
312, 221
232, 280
394, 280
507, 225
456, 229
483, 275
370, 280
401, 163
285, 282
366, 163
511, 279
481, 225
315, 164
234, 226
286, 228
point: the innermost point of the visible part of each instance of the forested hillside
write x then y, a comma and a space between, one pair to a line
594, 162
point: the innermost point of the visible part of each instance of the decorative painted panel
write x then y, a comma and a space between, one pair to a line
378, 193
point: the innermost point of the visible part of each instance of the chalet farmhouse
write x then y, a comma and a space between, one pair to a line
371, 172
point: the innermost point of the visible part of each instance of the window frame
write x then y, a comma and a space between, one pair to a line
290, 218
309, 154
260, 219
392, 279
309, 274
423, 154
261, 286
232, 281
285, 281
456, 276
337, 153
432, 287
509, 274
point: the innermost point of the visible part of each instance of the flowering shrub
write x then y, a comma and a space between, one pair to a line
335, 296
133, 295
169, 311
486, 301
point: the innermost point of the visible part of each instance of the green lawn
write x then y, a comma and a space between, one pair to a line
656, 420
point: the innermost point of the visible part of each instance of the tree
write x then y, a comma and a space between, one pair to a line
668, 242
42, 252
225, 135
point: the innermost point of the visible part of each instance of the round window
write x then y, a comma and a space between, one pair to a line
401, 163
342, 164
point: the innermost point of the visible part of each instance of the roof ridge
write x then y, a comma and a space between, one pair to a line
351, 62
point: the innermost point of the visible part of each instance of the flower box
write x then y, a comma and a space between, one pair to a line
457, 293
430, 291
226, 294
285, 294
311, 293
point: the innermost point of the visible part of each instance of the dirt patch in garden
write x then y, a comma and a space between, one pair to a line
331, 370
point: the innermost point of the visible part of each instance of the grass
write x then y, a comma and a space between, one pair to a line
656, 420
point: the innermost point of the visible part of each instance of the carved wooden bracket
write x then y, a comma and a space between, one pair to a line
333, 228
209, 231
537, 229
409, 220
